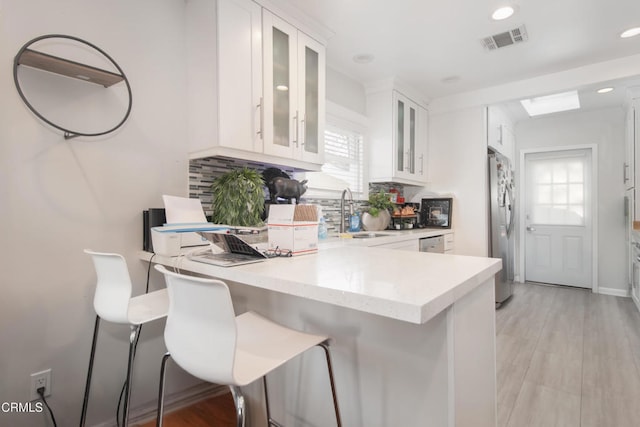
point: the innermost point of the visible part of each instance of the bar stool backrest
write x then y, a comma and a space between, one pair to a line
113, 287
200, 332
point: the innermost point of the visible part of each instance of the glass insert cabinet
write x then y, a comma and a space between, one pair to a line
294, 92
398, 137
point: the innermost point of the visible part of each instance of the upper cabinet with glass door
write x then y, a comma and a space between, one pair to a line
294, 92
398, 138
256, 86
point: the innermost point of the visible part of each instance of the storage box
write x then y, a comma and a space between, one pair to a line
293, 228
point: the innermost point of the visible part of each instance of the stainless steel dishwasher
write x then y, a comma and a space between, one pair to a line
432, 244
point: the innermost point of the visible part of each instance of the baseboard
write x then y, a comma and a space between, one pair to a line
172, 402
613, 292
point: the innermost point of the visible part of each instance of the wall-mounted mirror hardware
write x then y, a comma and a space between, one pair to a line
55, 99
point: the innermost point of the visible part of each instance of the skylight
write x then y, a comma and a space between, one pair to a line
551, 103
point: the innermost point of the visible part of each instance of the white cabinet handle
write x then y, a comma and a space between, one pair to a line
303, 124
421, 164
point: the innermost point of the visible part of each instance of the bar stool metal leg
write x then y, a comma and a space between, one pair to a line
87, 387
163, 370
270, 421
132, 354
240, 404
325, 347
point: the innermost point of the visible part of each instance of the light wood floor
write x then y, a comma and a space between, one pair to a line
567, 357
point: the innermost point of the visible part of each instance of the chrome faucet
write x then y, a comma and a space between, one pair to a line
343, 227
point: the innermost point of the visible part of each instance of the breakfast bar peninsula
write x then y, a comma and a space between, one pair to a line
413, 334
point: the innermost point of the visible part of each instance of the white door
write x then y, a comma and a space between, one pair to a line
558, 217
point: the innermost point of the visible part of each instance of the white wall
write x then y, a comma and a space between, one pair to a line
58, 197
345, 91
605, 128
458, 165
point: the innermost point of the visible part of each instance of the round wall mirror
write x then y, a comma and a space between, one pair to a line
72, 85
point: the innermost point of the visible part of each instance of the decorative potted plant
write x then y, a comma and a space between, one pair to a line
238, 198
378, 216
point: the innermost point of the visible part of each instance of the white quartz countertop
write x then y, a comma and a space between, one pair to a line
402, 285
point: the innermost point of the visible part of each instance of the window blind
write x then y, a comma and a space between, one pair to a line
343, 156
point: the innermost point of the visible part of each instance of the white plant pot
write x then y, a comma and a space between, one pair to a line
376, 223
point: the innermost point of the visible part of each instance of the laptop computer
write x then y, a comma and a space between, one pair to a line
235, 251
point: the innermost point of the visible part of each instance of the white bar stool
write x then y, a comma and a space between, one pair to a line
113, 303
205, 338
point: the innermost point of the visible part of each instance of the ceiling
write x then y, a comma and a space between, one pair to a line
424, 42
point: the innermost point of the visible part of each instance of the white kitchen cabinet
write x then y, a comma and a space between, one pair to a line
231, 112
294, 92
628, 172
634, 135
405, 245
449, 244
398, 138
224, 63
635, 270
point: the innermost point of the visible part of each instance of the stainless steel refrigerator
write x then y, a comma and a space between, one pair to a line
501, 222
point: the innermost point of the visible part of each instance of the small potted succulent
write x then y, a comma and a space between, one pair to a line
378, 217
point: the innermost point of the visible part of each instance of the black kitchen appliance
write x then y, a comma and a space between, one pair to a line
153, 217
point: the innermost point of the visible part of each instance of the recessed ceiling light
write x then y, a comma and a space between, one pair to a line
502, 13
282, 88
605, 90
551, 103
630, 32
363, 58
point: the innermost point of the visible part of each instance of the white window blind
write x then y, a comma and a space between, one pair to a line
343, 156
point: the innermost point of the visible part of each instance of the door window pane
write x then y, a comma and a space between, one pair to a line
558, 186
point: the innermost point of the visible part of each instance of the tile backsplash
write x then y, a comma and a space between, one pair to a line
202, 172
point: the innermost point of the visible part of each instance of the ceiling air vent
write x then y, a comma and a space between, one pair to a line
496, 41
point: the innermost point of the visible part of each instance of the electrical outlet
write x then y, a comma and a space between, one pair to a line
40, 379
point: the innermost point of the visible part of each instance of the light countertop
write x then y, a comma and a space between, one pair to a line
402, 285
386, 237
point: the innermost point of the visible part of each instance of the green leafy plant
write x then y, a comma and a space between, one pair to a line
238, 198
379, 201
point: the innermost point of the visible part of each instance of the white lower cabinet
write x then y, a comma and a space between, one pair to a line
449, 245
405, 245
635, 273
